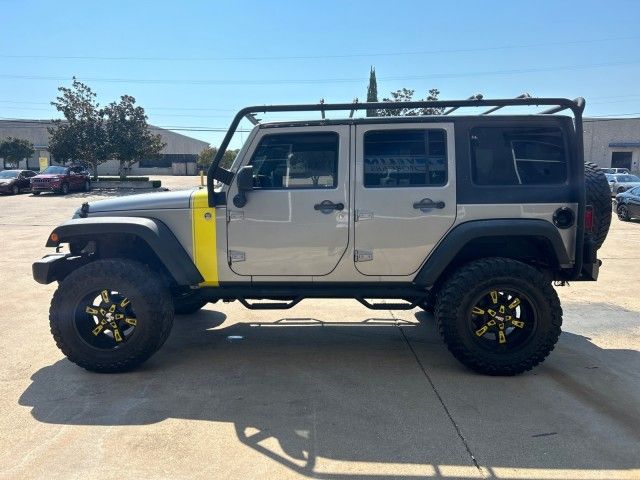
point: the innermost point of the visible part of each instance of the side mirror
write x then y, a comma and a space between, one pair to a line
244, 180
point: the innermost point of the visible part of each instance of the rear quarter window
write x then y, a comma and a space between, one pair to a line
518, 156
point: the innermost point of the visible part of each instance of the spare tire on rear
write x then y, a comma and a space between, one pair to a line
599, 197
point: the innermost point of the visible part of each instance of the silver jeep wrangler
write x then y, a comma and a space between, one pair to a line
473, 217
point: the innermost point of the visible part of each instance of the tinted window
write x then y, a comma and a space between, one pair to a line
405, 158
518, 156
54, 169
627, 178
296, 160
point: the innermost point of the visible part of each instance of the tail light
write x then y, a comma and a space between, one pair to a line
588, 219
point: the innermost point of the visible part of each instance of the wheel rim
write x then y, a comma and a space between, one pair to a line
502, 319
105, 319
622, 211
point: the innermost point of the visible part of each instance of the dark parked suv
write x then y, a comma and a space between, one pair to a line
15, 181
61, 179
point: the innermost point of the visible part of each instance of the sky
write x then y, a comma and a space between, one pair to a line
192, 64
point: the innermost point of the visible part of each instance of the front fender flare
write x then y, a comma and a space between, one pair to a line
154, 232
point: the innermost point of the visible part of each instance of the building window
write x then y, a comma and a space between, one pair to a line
621, 160
405, 158
296, 160
518, 156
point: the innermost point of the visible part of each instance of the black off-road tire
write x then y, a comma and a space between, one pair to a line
598, 195
150, 298
454, 305
188, 304
623, 213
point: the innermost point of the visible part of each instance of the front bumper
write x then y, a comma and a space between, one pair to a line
56, 266
47, 187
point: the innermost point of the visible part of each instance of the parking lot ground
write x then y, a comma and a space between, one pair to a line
326, 390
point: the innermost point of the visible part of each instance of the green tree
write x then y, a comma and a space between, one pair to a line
205, 158
12, 150
82, 135
372, 92
128, 134
406, 95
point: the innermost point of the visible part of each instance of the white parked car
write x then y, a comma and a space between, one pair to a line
622, 182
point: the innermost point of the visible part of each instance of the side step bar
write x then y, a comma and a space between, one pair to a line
286, 304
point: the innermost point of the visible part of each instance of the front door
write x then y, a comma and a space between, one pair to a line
405, 196
296, 219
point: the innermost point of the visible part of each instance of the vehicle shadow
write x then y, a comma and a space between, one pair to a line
316, 397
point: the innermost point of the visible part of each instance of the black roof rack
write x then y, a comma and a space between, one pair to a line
558, 105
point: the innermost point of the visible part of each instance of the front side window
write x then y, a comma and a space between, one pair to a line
518, 156
296, 160
405, 158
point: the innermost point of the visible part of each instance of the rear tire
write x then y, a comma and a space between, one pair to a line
623, 213
111, 315
36, 193
483, 294
599, 197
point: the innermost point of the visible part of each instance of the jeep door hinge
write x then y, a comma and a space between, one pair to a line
363, 255
236, 256
363, 215
234, 215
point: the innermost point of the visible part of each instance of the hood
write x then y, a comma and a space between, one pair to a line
145, 201
49, 175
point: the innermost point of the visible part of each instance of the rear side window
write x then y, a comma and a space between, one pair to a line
296, 160
518, 156
405, 158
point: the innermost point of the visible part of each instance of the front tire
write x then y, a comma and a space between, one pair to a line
499, 316
188, 304
111, 315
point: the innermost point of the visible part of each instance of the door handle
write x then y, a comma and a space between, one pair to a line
427, 203
327, 206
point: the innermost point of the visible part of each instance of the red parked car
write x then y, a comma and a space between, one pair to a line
61, 179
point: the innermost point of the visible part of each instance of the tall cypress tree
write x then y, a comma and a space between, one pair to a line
372, 92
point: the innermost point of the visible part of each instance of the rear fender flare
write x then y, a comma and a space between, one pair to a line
458, 237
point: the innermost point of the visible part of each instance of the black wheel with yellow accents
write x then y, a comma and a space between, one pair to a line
111, 315
499, 316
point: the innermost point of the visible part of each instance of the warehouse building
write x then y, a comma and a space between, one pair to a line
178, 157
613, 142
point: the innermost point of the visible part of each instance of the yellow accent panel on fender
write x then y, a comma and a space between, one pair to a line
204, 238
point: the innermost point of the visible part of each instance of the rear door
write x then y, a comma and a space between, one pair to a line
296, 220
405, 196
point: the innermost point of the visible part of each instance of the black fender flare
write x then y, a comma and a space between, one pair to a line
442, 256
152, 231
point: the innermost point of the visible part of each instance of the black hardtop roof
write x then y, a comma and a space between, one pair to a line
413, 119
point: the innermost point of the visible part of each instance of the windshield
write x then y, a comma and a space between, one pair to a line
627, 178
9, 174
55, 170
